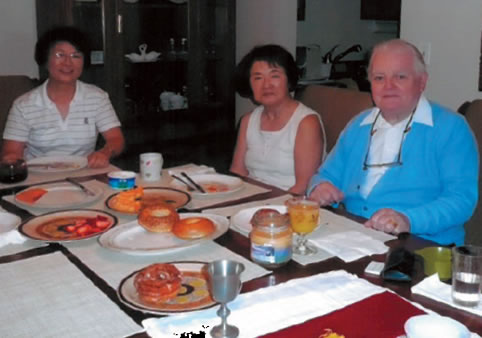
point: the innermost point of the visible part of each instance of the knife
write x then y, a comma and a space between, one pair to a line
81, 186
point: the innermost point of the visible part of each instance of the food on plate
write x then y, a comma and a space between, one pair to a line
193, 228
213, 187
65, 228
31, 196
127, 201
158, 217
158, 283
328, 333
263, 212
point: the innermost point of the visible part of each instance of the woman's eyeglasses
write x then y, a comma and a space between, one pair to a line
398, 161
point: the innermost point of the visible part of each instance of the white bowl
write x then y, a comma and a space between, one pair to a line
425, 326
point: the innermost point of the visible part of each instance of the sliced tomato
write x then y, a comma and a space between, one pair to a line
102, 224
84, 230
71, 228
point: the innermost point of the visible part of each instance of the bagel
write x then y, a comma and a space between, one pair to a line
193, 228
158, 283
158, 218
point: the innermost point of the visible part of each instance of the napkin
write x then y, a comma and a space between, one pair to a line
273, 308
191, 169
432, 287
11, 237
350, 245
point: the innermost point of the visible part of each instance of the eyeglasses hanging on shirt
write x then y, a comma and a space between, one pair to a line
398, 158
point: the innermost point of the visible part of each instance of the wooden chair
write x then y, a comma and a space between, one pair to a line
473, 228
336, 106
11, 87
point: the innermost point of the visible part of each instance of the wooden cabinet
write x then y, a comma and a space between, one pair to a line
196, 39
380, 10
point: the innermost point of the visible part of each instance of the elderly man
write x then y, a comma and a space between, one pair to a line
408, 165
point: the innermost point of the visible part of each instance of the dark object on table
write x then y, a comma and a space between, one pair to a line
399, 265
13, 171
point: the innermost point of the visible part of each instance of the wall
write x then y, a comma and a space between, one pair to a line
18, 34
331, 22
453, 29
259, 22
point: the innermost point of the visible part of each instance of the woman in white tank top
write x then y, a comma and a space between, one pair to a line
281, 142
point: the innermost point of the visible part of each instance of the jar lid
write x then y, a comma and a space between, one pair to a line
271, 219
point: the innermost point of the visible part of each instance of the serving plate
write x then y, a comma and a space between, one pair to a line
56, 164
131, 238
8, 222
61, 195
242, 219
215, 185
174, 197
193, 295
52, 226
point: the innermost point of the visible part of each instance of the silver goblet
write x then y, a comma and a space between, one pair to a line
225, 285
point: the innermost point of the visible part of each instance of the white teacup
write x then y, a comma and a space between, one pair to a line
151, 166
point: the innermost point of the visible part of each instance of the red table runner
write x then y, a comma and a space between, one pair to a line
381, 315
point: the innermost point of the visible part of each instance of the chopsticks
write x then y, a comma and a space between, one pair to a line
183, 182
198, 187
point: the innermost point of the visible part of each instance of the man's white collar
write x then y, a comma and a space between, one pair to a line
423, 114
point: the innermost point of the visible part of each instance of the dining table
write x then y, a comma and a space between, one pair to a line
89, 274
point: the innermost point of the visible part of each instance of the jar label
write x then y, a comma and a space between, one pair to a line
270, 254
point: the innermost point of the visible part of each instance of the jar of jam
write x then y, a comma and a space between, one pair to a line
271, 239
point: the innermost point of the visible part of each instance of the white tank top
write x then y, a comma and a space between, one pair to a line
270, 154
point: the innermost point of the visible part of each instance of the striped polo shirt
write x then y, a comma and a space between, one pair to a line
35, 120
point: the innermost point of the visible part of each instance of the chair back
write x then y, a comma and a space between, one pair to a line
336, 106
473, 228
11, 87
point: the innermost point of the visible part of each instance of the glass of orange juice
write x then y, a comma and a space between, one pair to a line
304, 217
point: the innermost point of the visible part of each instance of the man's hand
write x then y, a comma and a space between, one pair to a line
326, 194
389, 221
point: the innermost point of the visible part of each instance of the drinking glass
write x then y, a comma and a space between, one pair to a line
304, 217
467, 275
13, 170
225, 285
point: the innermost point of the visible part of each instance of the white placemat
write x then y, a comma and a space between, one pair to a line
47, 296
113, 266
433, 288
273, 308
331, 225
35, 178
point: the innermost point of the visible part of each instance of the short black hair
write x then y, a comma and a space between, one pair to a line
57, 34
274, 55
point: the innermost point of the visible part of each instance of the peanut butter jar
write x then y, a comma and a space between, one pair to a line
271, 240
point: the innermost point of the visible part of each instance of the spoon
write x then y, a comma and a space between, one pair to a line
198, 187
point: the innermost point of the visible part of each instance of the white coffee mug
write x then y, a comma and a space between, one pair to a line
151, 166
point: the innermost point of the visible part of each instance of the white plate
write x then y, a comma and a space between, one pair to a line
193, 295
32, 228
8, 222
232, 184
57, 164
61, 196
242, 219
131, 238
